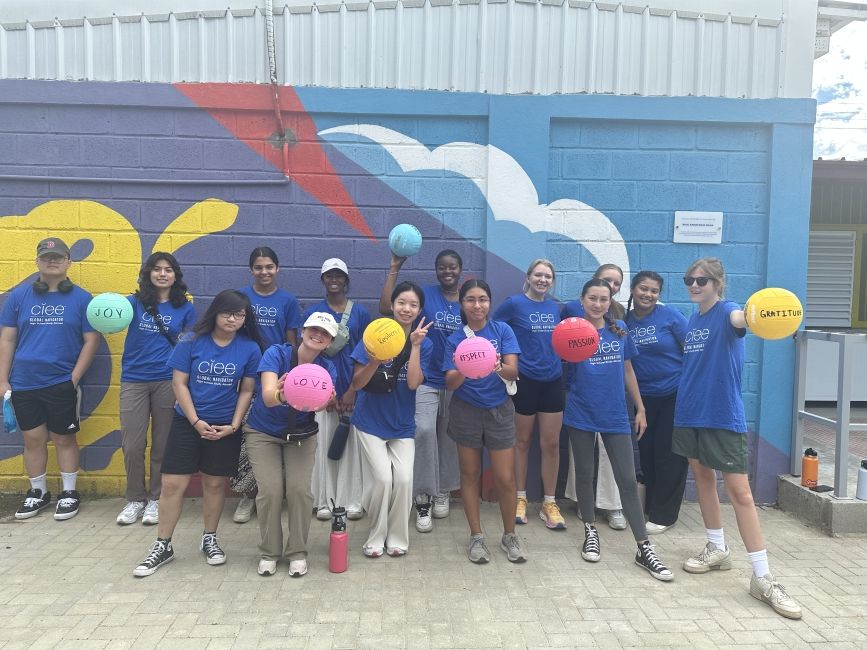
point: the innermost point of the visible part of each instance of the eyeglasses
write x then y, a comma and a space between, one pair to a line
700, 281
53, 258
237, 315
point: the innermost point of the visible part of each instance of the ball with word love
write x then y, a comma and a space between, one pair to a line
404, 240
475, 357
383, 339
773, 313
109, 313
307, 387
575, 339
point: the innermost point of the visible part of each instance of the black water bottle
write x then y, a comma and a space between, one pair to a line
338, 440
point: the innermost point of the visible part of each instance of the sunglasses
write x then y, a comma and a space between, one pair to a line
700, 281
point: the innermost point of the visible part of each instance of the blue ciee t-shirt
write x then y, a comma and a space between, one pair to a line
215, 373
487, 392
659, 337
388, 415
274, 420
51, 328
146, 349
596, 400
446, 317
532, 322
276, 314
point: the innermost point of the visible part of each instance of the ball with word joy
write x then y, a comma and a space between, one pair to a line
575, 339
307, 387
383, 339
404, 240
773, 313
475, 357
109, 313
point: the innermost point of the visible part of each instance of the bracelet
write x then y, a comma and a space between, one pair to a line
278, 396
393, 272
197, 421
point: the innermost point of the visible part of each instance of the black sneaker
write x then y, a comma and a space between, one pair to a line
67, 505
34, 501
160, 554
646, 558
591, 550
212, 550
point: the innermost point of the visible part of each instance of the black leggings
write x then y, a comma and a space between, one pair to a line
619, 448
664, 471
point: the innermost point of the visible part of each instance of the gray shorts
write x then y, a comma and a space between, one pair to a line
474, 427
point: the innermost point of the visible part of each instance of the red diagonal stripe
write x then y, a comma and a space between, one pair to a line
247, 111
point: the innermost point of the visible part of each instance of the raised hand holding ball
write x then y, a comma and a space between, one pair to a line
404, 240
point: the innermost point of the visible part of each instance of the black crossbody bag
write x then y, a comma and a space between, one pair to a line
384, 380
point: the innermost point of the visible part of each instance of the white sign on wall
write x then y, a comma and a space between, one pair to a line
697, 227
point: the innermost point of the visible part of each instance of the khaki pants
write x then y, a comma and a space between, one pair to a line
282, 470
142, 404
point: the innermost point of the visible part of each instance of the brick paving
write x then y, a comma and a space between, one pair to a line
70, 585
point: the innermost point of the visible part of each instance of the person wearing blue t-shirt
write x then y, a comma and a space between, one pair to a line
278, 317
532, 315
161, 312
46, 346
482, 415
436, 473
596, 404
385, 425
710, 430
281, 443
339, 480
658, 332
214, 370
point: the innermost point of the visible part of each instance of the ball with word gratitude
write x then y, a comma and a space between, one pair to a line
773, 313
109, 313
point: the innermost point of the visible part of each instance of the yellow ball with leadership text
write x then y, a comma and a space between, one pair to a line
383, 339
773, 313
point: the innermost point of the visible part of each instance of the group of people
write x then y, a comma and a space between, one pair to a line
208, 387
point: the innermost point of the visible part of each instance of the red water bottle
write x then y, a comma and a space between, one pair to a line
338, 544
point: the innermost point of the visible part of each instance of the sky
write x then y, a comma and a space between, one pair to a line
840, 89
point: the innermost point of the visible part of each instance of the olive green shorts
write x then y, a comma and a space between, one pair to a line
714, 448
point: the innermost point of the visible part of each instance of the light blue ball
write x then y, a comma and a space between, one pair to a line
108, 313
404, 240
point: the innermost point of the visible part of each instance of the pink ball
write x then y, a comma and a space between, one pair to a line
308, 387
475, 357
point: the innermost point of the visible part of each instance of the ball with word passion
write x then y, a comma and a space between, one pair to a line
109, 313
383, 339
773, 313
475, 357
404, 240
575, 339
307, 387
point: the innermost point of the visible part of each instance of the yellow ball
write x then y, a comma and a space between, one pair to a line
383, 339
773, 313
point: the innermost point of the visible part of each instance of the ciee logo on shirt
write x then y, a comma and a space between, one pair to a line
608, 347
539, 317
163, 318
643, 332
447, 317
47, 310
262, 310
212, 367
697, 335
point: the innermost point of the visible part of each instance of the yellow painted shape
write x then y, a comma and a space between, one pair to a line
204, 218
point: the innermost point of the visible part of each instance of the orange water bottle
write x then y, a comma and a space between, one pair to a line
810, 468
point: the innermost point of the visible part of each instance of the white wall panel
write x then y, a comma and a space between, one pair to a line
496, 46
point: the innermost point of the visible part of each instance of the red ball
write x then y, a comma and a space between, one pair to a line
575, 339
307, 387
475, 357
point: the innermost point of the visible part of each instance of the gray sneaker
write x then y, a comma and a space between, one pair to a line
478, 551
514, 547
768, 590
711, 557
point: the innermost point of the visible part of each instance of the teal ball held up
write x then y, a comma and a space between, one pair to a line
404, 240
108, 313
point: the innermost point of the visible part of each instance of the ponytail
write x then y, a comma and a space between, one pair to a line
613, 327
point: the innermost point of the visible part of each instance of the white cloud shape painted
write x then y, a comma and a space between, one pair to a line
508, 190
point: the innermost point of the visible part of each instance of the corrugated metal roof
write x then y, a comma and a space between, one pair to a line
495, 46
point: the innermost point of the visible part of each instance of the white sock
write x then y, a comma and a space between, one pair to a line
522, 493
38, 483
68, 479
715, 536
549, 499
759, 560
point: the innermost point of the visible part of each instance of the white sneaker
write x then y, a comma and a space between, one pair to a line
323, 513
768, 590
267, 567
353, 514
244, 511
131, 513
441, 506
655, 529
616, 520
423, 521
298, 568
151, 516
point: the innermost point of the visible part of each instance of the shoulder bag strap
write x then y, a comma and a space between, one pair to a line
152, 310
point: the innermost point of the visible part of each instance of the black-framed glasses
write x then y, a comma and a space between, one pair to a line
700, 281
237, 315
